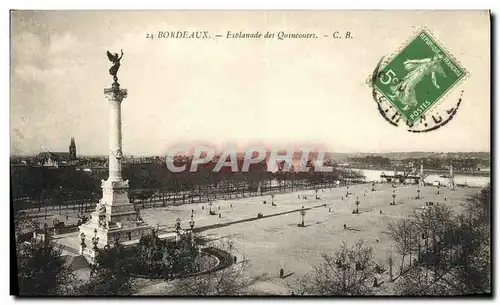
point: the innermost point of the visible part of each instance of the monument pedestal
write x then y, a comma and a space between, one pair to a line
114, 216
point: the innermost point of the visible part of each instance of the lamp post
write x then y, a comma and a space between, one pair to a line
357, 205
82, 244
302, 214
95, 240
177, 229
54, 223
45, 229
393, 197
36, 226
178, 225
191, 225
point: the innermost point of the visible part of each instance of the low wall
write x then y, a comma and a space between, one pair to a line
224, 259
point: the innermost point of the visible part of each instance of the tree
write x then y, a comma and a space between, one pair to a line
110, 274
390, 263
402, 233
42, 270
346, 273
458, 260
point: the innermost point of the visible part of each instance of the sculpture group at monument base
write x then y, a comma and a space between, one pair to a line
108, 236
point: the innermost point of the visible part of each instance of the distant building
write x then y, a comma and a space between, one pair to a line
72, 149
58, 159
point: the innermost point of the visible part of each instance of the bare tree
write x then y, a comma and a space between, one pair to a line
457, 256
402, 233
346, 273
390, 262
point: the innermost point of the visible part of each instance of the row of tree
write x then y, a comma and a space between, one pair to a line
38, 186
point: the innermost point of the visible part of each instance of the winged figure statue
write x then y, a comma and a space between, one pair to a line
418, 69
115, 59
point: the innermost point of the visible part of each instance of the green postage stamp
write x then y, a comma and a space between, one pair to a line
416, 78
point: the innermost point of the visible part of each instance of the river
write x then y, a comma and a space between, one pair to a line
475, 181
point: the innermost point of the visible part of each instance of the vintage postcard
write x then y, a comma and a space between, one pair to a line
244, 153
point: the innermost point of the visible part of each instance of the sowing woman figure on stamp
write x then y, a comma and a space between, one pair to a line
418, 69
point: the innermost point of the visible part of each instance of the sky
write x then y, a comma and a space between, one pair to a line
232, 91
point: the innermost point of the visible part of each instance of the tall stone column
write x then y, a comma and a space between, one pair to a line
115, 189
114, 216
115, 95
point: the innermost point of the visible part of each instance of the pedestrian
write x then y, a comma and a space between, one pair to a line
220, 215
282, 272
345, 227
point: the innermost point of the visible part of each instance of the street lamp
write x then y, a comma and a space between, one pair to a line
95, 240
82, 237
178, 225
393, 197
54, 223
191, 222
302, 213
191, 225
357, 205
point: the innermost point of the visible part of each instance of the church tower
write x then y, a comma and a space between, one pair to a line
72, 149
